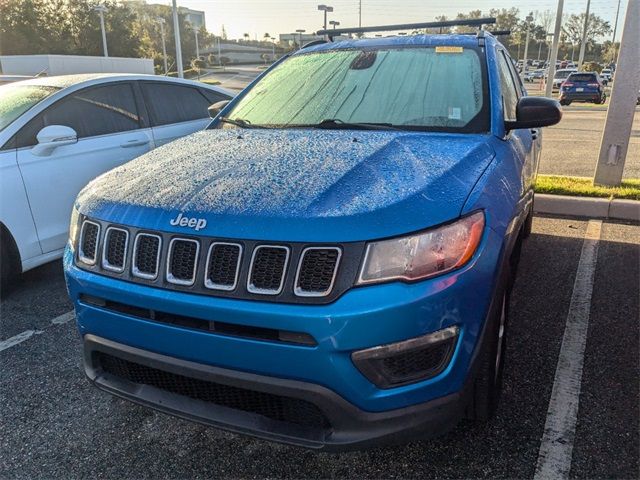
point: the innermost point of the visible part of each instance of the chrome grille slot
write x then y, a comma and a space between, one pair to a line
146, 256
182, 261
223, 265
267, 270
89, 235
114, 249
317, 271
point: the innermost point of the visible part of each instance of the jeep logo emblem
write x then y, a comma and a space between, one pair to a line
197, 223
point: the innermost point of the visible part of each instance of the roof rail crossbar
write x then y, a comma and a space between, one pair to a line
472, 22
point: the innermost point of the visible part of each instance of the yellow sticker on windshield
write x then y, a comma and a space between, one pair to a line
448, 49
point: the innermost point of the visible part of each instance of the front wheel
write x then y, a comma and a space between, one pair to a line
488, 382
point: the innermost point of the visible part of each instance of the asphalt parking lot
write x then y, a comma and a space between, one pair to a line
55, 425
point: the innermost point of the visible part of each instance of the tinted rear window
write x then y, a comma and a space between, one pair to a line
583, 77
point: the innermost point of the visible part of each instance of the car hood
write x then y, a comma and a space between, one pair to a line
294, 184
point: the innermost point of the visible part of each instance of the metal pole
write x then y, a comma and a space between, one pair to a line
164, 45
529, 19
539, 50
615, 29
325, 19
617, 129
583, 44
101, 9
360, 14
554, 50
219, 53
176, 34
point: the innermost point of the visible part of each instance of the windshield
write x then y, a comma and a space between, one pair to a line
15, 99
563, 73
415, 88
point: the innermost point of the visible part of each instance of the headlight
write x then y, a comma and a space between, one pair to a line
73, 227
423, 255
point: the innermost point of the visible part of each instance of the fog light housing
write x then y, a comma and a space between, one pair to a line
409, 361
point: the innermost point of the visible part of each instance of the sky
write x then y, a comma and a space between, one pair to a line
258, 17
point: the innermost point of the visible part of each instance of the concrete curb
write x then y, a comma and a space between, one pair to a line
587, 207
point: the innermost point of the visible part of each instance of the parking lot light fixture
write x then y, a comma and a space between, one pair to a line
334, 23
326, 9
101, 9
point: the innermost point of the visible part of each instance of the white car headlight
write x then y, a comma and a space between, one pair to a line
423, 255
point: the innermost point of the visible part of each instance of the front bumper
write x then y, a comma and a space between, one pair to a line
358, 412
347, 426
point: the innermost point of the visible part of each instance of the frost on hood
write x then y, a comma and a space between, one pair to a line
289, 173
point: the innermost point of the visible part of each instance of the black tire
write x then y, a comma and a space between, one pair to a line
528, 223
7, 261
487, 385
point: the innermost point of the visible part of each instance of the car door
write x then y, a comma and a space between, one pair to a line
109, 132
176, 110
520, 140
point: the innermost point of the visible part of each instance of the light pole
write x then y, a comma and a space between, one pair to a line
615, 30
529, 19
583, 44
176, 34
334, 23
195, 32
161, 21
325, 9
300, 31
101, 9
273, 49
554, 50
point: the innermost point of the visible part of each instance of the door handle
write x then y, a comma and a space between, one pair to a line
135, 143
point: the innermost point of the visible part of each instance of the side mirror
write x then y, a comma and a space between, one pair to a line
52, 137
217, 107
534, 112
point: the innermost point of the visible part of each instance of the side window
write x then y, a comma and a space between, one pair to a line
169, 103
509, 90
91, 112
214, 97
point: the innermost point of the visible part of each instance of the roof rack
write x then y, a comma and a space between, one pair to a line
495, 33
409, 26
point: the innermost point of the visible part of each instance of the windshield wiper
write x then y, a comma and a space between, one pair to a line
239, 122
336, 123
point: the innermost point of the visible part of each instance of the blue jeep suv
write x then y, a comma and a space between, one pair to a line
329, 263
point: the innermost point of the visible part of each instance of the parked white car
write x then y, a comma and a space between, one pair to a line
606, 75
58, 133
561, 75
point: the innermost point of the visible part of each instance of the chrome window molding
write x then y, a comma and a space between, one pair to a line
262, 291
134, 269
215, 286
170, 278
105, 264
304, 293
81, 254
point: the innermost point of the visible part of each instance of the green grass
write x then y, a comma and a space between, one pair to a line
583, 187
210, 81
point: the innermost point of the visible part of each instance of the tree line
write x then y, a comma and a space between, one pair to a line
72, 27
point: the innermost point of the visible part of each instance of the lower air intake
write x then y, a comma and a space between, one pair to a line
275, 407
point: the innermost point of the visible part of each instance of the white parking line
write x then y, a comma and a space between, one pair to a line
556, 447
27, 334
